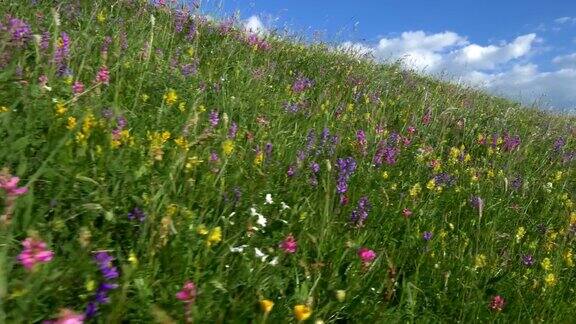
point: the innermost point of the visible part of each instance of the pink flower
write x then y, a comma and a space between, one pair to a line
10, 186
406, 212
34, 252
188, 293
67, 316
103, 76
77, 87
289, 245
366, 255
497, 303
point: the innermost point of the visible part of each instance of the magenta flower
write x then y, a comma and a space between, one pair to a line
289, 245
497, 303
188, 293
77, 88
67, 316
103, 76
366, 255
34, 252
10, 186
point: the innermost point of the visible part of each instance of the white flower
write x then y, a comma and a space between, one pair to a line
283, 206
260, 254
274, 261
269, 200
238, 249
261, 219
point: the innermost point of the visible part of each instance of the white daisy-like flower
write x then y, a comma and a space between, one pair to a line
261, 255
283, 206
238, 249
269, 200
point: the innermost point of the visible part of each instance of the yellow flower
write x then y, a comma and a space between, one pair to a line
60, 109
302, 312
228, 147
182, 143
133, 259
341, 295
202, 230
546, 264
90, 285
385, 175
480, 261
431, 184
182, 106
145, 97
71, 123
171, 97
193, 162
259, 158
266, 305
3, 109
569, 258
550, 279
101, 17
215, 235
88, 123
415, 190
520, 234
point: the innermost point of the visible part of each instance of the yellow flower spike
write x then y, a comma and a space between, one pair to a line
569, 258
60, 108
202, 230
259, 158
520, 234
182, 106
170, 97
546, 264
101, 17
201, 108
550, 280
71, 123
480, 261
145, 97
341, 295
3, 109
133, 259
385, 175
228, 147
90, 285
266, 305
302, 312
431, 184
215, 236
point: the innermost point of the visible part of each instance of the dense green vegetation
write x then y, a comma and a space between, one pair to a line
158, 166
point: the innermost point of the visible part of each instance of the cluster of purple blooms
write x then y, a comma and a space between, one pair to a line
444, 179
109, 272
302, 84
362, 142
18, 30
360, 213
346, 167
385, 153
62, 53
137, 214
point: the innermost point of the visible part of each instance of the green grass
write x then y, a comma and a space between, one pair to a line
83, 180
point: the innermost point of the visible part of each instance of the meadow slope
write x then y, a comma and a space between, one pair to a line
160, 166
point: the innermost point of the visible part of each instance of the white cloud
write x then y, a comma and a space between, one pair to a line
565, 20
255, 25
502, 68
568, 60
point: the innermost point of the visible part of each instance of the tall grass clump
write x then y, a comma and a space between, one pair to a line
158, 166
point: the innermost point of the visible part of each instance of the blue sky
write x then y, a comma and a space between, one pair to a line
521, 49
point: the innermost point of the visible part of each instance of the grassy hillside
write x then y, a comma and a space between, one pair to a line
158, 166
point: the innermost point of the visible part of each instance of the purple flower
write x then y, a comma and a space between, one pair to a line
386, 154
314, 167
516, 183
214, 118
45, 40
62, 49
559, 144
106, 44
427, 236
527, 260
511, 143
360, 214
232, 130
19, 30
189, 69
477, 202
301, 84
268, 149
361, 141
443, 178
290, 171
136, 214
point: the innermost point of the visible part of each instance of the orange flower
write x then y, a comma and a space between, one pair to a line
302, 312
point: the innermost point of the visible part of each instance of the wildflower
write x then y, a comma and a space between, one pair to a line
214, 118
215, 236
34, 252
109, 272
266, 305
77, 88
366, 255
550, 280
202, 230
546, 264
19, 30
103, 75
259, 158
10, 186
232, 130
289, 244
569, 258
341, 295
104, 262
477, 202
480, 261
427, 236
228, 147
67, 316
188, 293
136, 214
170, 97
520, 234
302, 312
301, 84
71, 123
497, 303
360, 214
406, 213
527, 260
